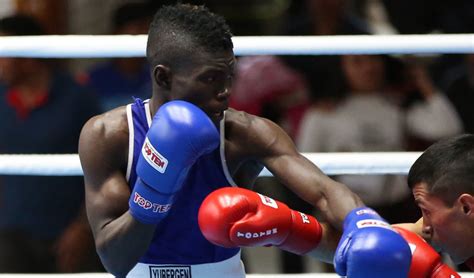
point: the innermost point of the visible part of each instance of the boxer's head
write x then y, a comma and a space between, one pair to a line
442, 181
190, 52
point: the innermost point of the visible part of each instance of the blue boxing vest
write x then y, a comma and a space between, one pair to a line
177, 238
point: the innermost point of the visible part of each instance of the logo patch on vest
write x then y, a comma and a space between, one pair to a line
172, 271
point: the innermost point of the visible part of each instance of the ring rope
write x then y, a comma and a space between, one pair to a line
95, 46
330, 163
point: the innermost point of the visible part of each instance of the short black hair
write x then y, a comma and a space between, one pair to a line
447, 168
180, 30
21, 25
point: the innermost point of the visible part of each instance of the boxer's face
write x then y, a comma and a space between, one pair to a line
206, 82
446, 228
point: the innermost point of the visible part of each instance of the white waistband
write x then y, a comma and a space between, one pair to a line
229, 268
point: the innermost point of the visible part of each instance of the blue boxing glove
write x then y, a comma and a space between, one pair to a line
179, 134
369, 247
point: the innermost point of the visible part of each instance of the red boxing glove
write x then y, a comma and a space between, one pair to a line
233, 217
425, 262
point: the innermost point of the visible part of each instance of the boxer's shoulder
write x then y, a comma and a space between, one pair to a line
237, 120
110, 126
249, 136
246, 128
106, 133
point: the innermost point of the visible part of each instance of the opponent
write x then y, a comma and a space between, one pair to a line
442, 183
148, 167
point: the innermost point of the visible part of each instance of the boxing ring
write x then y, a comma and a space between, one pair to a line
72, 46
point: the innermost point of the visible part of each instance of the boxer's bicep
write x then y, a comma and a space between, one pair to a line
106, 202
106, 188
280, 156
276, 151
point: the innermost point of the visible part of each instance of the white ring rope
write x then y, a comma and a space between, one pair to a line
81, 46
90, 46
329, 163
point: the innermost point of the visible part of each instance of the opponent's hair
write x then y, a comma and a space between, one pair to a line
180, 30
21, 25
447, 168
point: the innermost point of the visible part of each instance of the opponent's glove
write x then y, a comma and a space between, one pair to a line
233, 217
370, 248
179, 134
425, 262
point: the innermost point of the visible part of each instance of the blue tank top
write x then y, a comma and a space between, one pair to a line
178, 239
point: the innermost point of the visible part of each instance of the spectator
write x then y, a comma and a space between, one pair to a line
429, 115
265, 86
363, 121
369, 119
322, 17
117, 80
43, 227
461, 93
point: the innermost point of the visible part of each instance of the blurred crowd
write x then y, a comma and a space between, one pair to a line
348, 103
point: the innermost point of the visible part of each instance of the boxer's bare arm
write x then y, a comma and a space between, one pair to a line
260, 139
120, 240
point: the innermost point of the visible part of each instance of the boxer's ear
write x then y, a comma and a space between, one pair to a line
467, 203
162, 76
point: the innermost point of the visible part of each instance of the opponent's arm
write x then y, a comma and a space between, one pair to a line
101, 150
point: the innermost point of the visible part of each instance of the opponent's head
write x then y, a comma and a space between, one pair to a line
442, 181
190, 53
14, 70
